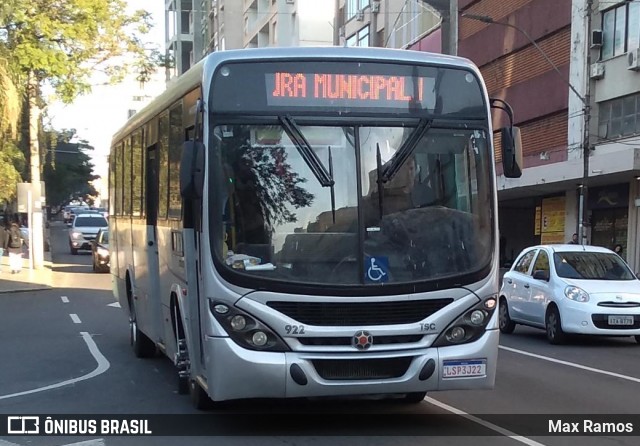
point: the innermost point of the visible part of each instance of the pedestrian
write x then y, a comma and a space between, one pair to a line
574, 239
4, 242
618, 249
15, 249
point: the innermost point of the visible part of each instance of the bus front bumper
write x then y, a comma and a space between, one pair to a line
235, 372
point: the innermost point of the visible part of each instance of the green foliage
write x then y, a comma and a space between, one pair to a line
64, 41
68, 171
11, 163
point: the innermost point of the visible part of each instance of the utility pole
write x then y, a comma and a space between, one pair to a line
586, 146
36, 227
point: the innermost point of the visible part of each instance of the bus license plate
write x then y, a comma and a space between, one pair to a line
464, 369
620, 320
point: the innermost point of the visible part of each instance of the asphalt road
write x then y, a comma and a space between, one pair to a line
66, 351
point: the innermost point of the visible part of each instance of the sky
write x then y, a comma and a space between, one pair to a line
98, 115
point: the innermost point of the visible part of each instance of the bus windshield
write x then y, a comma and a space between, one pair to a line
279, 220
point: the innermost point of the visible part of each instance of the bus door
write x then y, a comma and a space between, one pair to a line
148, 259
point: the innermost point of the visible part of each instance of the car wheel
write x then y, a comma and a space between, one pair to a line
553, 325
506, 324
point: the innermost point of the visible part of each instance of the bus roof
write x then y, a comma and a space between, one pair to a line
192, 78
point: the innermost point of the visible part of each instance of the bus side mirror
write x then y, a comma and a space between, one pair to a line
511, 152
192, 170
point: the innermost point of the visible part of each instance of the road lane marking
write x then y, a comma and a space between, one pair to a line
115, 305
7, 443
103, 366
480, 421
572, 364
75, 318
65, 299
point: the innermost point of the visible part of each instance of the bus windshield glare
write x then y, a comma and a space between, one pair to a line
432, 219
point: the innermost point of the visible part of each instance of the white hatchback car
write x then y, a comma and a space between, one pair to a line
571, 289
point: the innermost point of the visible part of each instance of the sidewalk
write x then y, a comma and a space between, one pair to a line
27, 279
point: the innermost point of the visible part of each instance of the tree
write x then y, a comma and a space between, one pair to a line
62, 43
69, 173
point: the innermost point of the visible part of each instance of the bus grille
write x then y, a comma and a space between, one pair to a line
346, 340
358, 369
359, 314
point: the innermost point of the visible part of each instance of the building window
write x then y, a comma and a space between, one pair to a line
361, 38
353, 6
621, 29
620, 117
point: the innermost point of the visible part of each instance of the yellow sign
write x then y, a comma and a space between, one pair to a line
553, 210
549, 238
536, 229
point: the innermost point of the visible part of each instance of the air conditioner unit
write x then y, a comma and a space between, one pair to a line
597, 71
633, 60
596, 38
360, 15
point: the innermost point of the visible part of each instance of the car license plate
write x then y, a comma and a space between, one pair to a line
464, 369
621, 320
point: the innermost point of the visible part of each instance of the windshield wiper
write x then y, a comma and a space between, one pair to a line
304, 148
405, 151
379, 179
333, 193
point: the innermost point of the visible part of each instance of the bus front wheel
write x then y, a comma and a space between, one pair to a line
414, 397
199, 397
143, 347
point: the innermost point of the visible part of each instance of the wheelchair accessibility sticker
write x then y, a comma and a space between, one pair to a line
376, 269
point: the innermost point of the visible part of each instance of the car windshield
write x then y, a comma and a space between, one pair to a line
323, 217
591, 266
83, 222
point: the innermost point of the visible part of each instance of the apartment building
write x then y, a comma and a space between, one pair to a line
197, 27
582, 75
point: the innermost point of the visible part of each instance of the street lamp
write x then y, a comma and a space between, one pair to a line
586, 112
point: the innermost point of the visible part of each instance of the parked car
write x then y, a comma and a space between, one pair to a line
571, 289
100, 252
84, 229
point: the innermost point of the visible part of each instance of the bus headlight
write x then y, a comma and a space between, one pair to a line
469, 326
245, 330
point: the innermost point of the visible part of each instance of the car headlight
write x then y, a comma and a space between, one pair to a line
469, 326
76, 235
102, 252
245, 330
576, 294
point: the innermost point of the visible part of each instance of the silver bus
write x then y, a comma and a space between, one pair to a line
309, 222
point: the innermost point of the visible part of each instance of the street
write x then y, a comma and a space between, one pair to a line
66, 351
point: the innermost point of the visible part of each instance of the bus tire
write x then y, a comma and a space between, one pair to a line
414, 397
504, 320
199, 397
143, 347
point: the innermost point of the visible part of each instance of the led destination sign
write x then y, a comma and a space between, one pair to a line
349, 90
345, 87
